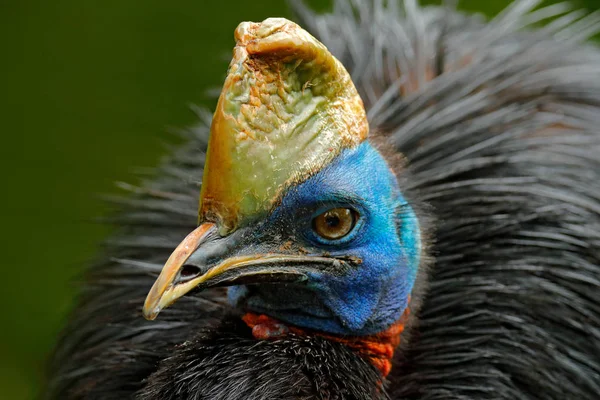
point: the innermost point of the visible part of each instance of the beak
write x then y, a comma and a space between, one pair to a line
187, 268
164, 292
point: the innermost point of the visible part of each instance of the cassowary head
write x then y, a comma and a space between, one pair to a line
314, 224
299, 212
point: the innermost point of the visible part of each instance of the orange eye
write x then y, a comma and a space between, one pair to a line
335, 223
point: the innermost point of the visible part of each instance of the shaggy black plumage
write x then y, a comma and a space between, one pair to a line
228, 363
500, 129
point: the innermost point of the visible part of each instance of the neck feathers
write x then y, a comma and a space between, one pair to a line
378, 348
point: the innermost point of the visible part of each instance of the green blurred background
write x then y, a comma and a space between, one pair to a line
89, 92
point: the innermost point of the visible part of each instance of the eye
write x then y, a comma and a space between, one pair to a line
335, 223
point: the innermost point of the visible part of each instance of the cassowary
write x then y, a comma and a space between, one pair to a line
410, 210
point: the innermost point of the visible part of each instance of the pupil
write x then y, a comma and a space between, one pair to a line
332, 221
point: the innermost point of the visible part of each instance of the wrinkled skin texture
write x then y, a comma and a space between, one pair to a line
287, 108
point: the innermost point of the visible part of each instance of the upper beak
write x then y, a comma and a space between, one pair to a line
175, 281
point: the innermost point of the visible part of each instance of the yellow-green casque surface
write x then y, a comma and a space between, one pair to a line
287, 108
87, 95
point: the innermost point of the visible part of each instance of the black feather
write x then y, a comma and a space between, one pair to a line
226, 362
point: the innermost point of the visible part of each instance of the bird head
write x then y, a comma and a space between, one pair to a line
300, 215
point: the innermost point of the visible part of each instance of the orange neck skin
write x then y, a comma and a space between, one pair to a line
378, 348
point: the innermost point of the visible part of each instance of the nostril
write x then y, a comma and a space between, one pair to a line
189, 272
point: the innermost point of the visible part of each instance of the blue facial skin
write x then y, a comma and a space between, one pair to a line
368, 297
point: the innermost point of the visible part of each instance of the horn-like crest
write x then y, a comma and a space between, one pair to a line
287, 108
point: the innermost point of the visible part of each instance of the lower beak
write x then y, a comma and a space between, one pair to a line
175, 281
